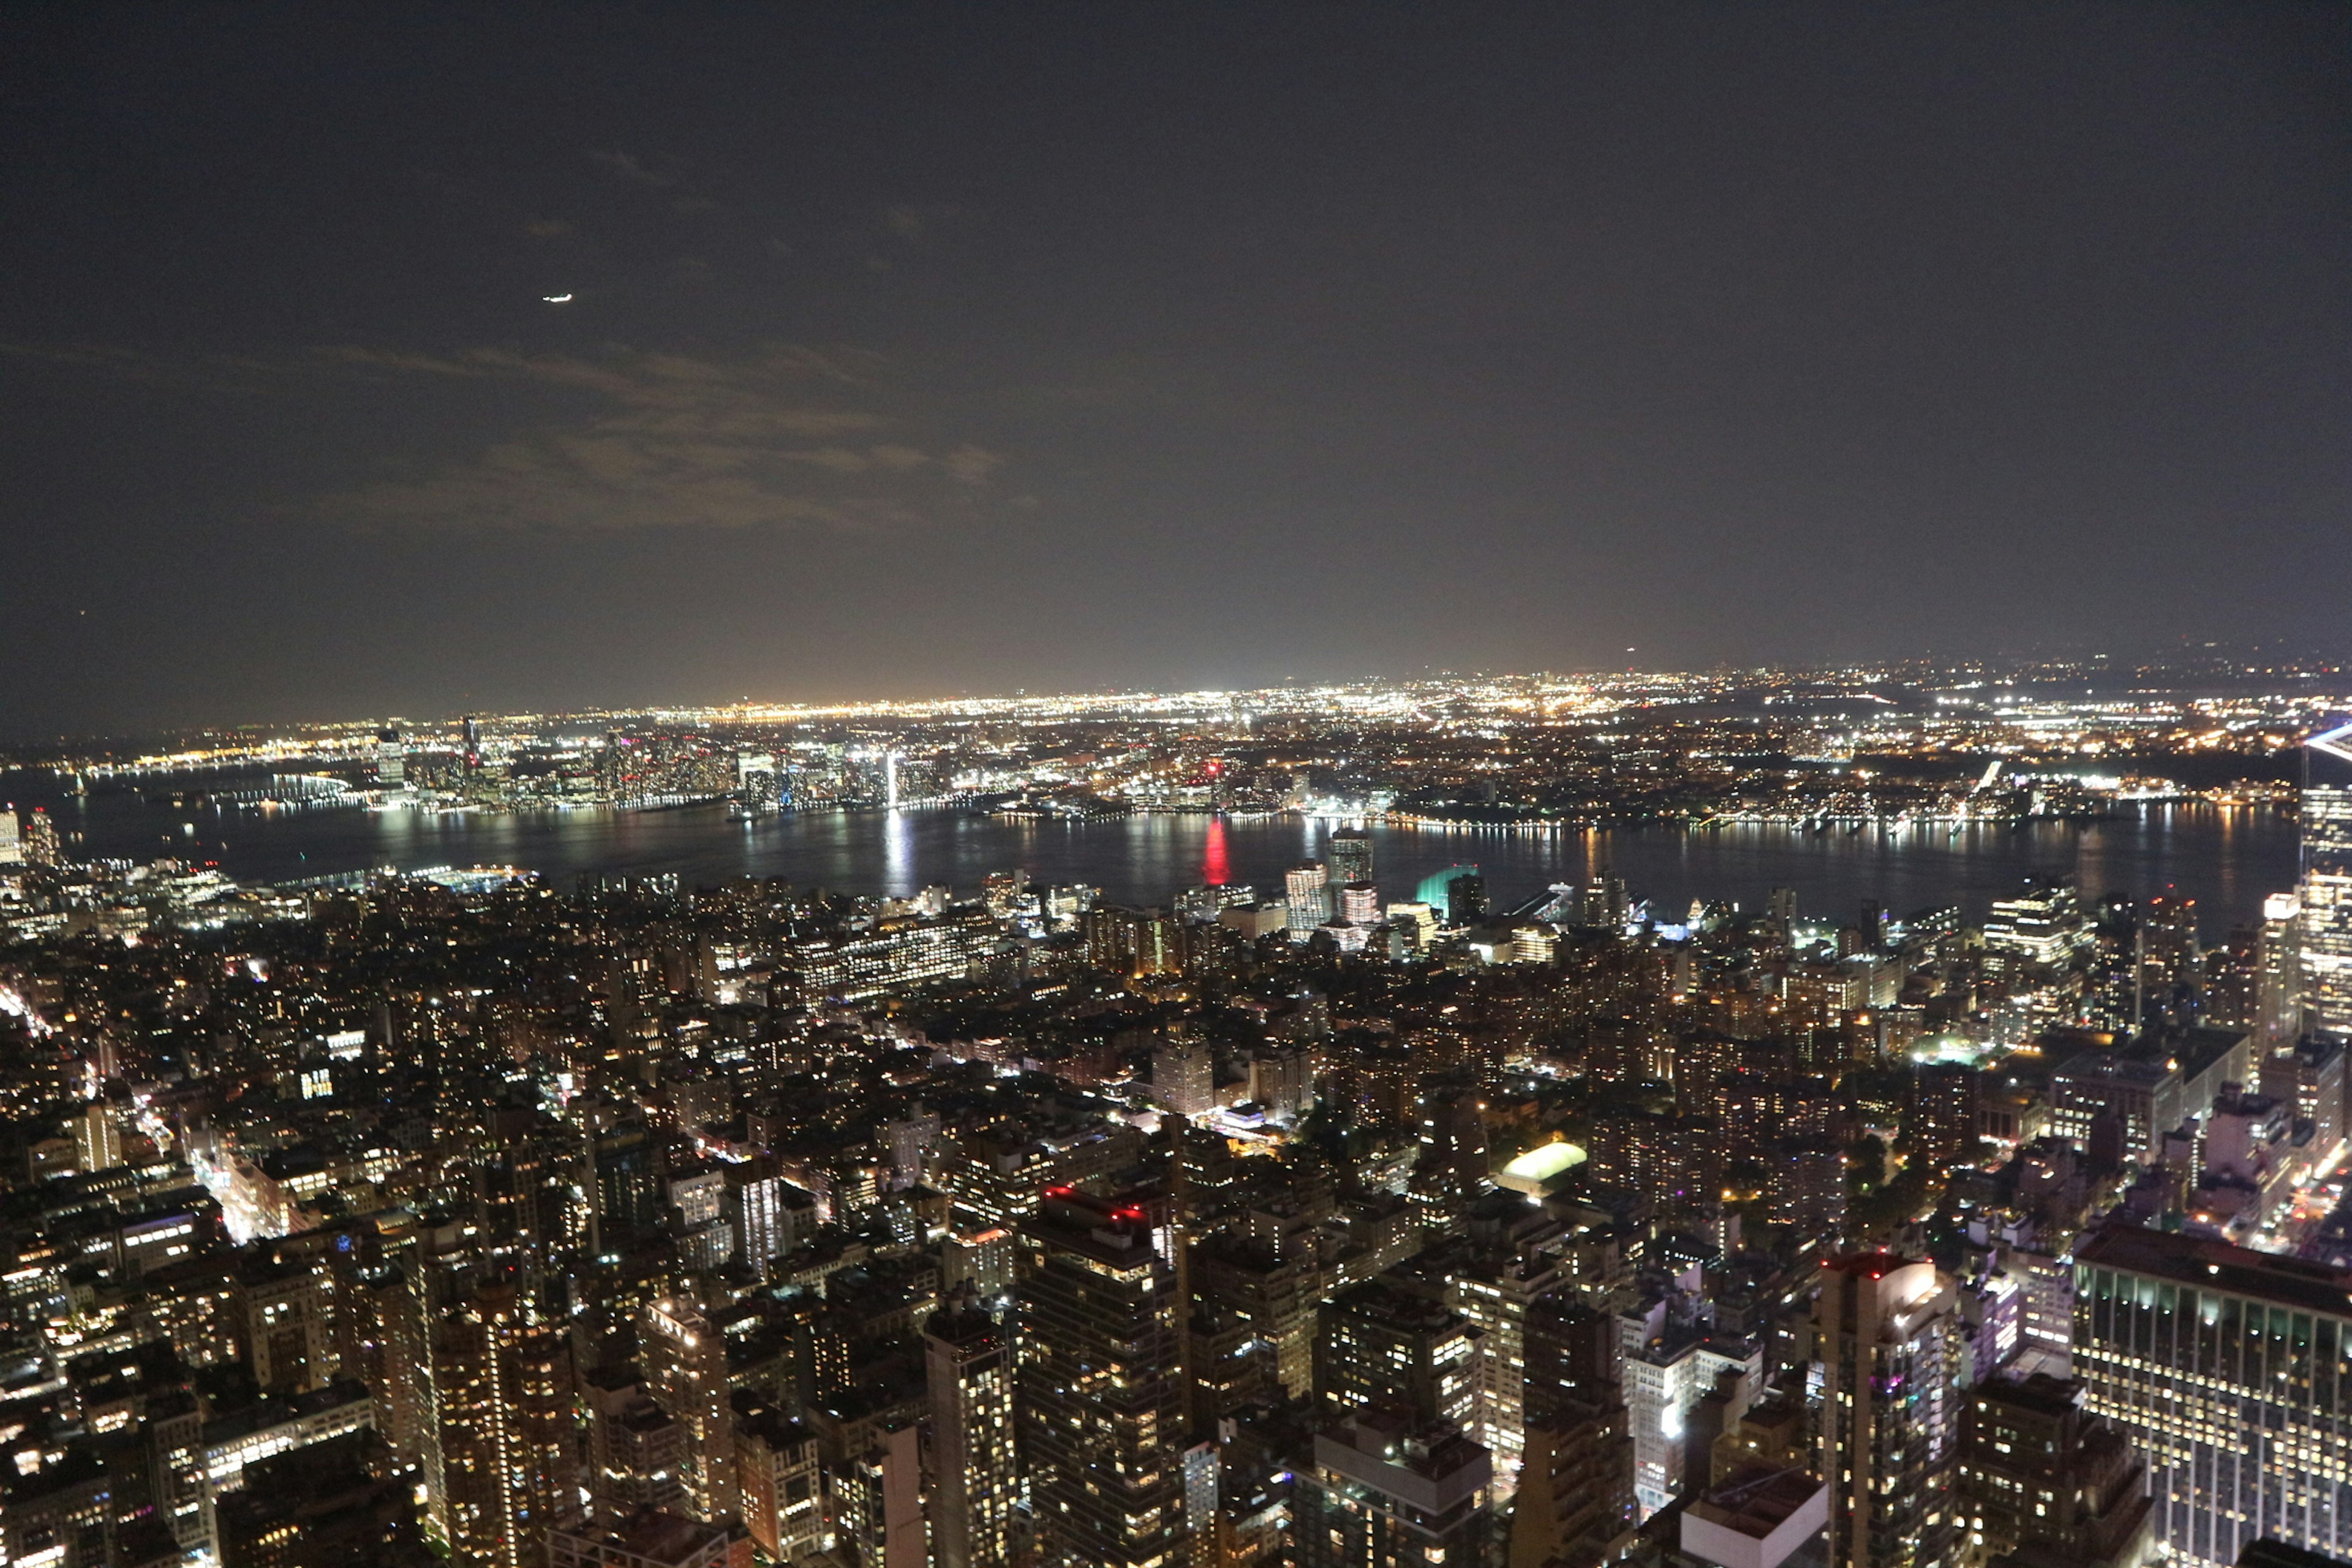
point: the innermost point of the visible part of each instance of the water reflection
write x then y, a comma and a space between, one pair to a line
2225, 858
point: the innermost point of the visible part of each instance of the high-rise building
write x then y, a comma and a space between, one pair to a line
2037, 1473
1888, 1348
12, 845
1359, 903
2326, 917
1349, 856
503, 1454
318, 1504
1575, 1500
637, 1452
1102, 1407
971, 1367
685, 1363
1307, 894
2226, 1369
1184, 1078
878, 1501
284, 1309
1458, 893
1379, 1344
1267, 1297
2277, 1019
779, 1481
1388, 1488
390, 759
2042, 925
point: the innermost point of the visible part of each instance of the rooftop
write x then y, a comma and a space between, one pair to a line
2218, 1266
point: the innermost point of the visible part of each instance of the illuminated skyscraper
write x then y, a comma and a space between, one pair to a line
2326, 914
1349, 856
1102, 1408
504, 1456
969, 1365
2226, 1368
390, 759
1307, 889
684, 1361
1887, 1338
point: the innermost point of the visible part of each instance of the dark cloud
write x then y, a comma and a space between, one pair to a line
675, 441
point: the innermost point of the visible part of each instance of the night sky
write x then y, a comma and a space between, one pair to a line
913, 351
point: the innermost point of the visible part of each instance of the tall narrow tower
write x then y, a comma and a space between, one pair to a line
502, 1407
969, 1366
1887, 1336
2327, 912
1102, 1417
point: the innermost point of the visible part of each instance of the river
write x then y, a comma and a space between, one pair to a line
2226, 858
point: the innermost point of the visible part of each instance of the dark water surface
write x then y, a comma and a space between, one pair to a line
2226, 858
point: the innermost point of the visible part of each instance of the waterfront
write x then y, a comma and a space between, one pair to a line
2225, 858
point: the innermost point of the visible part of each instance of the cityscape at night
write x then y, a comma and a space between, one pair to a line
1190, 787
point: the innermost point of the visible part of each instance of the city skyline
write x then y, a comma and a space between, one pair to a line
1205, 786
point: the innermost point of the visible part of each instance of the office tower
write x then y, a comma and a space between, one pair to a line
1887, 1346
685, 1363
40, 844
970, 1369
980, 1261
1349, 856
1183, 1077
1451, 1169
767, 1213
2325, 934
1282, 1078
1496, 1283
1102, 1406
779, 1480
1380, 1344
390, 759
1359, 903
1307, 894
2037, 1473
1668, 1368
1391, 1488
2225, 1368
504, 1455
472, 742
11, 843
